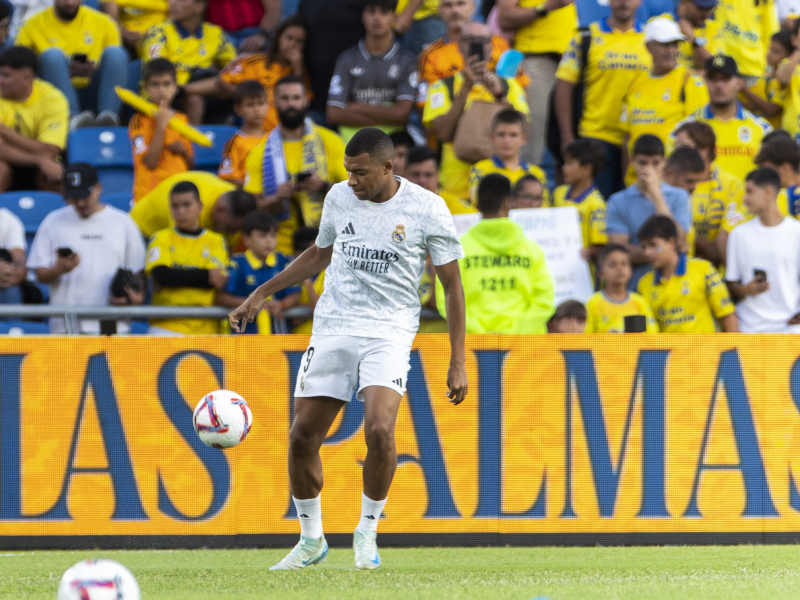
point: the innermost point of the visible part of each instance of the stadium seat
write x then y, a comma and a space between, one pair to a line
109, 150
208, 159
23, 328
120, 200
31, 207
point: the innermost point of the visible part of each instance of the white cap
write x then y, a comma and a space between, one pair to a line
662, 30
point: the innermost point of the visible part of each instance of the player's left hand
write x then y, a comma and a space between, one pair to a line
457, 383
247, 311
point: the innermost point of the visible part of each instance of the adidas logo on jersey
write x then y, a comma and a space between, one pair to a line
349, 229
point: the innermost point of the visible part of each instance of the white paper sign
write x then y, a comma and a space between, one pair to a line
558, 232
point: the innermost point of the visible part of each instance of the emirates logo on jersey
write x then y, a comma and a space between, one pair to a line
399, 234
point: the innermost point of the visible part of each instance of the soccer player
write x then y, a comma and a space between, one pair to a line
158, 151
375, 234
685, 294
763, 270
607, 309
250, 105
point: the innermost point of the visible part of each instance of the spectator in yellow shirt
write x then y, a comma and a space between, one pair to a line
80, 53
33, 125
767, 95
133, 22
701, 31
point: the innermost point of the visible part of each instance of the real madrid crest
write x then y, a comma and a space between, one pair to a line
399, 234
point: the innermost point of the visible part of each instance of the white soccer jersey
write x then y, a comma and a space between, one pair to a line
379, 252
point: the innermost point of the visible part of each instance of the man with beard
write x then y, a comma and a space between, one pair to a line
80, 54
290, 172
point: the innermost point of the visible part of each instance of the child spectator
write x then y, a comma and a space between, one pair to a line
257, 265
196, 48
312, 288
528, 193
158, 152
187, 264
685, 294
403, 142
374, 83
570, 317
250, 105
509, 136
782, 155
608, 308
766, 96
583, 160
285, 57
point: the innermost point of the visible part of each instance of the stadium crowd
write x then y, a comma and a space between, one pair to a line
672, 129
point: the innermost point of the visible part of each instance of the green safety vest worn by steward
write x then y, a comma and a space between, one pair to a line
507, 284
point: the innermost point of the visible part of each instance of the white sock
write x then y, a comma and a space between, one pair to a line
370, 513
310, 514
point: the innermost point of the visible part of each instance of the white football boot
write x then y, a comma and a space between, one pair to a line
366, 548
307, 552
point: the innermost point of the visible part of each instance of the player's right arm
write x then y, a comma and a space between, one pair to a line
308, 264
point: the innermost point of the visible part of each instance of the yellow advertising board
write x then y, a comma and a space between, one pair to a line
595, 436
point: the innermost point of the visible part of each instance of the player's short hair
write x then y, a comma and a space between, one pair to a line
288, 79
259, 220
784, 38
387, 4
249, 89
493, 190
186, 187
18, 58
703, 136
658, 226
607, 250
570, 309
402, 138
420, 154
648, 144
510, 116
765, 177
304, 237
241, 203
587, 152
686, 160
780, 150
522, 181
372, 141
159, 66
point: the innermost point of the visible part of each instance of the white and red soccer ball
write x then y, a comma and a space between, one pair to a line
222, 419
98, 580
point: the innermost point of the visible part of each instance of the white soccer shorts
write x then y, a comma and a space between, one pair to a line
335, 366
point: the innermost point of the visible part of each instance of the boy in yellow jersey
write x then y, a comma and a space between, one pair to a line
701, 31
158, 151
607, 309
738, 131
257, 265
583, 160
508, 137
423, 170
657, 100
448, 99
198, 49
78, 48
745, 30
187, 264
250, 105
616, 54
686, 295
685, 169
767, 95
33, 125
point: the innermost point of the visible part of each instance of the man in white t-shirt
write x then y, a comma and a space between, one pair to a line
375, 233
78, 249
12, 261
763, 269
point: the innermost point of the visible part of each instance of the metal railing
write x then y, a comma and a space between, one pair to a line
72, 314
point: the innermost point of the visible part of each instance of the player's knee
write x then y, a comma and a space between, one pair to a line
379, 437
303, 440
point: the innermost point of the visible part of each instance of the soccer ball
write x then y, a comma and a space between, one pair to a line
98, 580
222, 419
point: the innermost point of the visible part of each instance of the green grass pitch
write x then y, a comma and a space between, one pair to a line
686, 573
